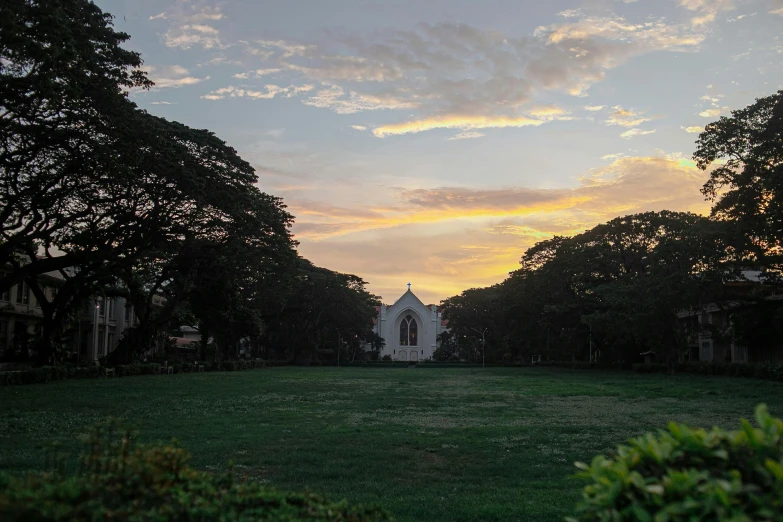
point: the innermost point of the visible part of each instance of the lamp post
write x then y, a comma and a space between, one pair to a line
483, 344
482, 332
591, 343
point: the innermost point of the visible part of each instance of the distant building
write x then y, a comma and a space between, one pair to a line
20, 313
102, 322
409, 327
711, 337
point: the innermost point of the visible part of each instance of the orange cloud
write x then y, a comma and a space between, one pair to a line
454, 122
447, 239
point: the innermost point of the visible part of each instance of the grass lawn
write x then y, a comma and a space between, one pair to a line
427, 444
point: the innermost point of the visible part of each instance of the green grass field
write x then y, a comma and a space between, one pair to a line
427, 444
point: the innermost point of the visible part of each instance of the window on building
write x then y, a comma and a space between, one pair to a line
3, 334
85, 342
21, 334
110, 342
101, 307
408, 331
127, 311
111, 308
22, 294
100, 343
5, 295
705, 351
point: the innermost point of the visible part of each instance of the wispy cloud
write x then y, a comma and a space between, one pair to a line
258, 73
632, 133
710, 113
549, 113
336, 99
466, 135
191, 35
707, 10
626, 117
184, 11
454, 122
359, 127
433, 71
693, 130
172, 76
270, 91
595, 108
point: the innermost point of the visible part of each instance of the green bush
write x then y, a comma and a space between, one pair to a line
119, 480
686, 474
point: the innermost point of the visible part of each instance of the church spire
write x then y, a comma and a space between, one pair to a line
409, 287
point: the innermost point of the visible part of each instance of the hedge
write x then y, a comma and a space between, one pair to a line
587, 365
759, 371
120, 480
427, 364
56, 373
686, 474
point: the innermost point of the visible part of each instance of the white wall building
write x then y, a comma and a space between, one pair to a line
409, 327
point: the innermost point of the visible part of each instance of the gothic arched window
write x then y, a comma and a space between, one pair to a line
409, 331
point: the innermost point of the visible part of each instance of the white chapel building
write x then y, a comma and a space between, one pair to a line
409, 327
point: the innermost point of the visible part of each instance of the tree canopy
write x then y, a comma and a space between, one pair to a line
120, 202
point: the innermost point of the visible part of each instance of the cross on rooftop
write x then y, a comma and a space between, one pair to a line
409, 286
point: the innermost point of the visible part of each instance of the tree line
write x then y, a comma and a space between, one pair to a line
620, 289
120, 202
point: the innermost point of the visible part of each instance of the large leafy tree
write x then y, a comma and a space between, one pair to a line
473, 314
195, 198
744, 155
63, 105
321, 310
63, 84
113, 198
680, 263
621, 283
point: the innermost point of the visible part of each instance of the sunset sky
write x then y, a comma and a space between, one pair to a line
433, 141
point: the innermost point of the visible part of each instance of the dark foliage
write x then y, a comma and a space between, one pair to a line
686, 474
120, 480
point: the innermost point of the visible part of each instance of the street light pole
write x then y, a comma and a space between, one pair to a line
591, 343
547, 342
483, 347
483, 343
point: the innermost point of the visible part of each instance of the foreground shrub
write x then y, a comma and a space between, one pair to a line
119, 480
690, 474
